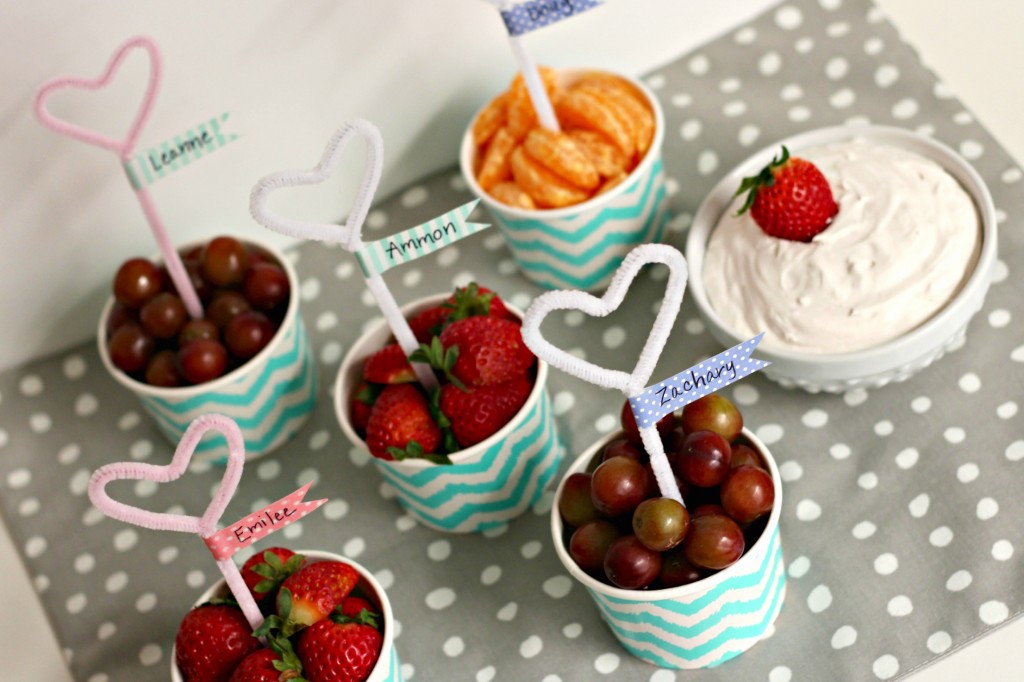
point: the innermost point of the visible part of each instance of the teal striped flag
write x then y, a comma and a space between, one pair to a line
160, 161
380, 256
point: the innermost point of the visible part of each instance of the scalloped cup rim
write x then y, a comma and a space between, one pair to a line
853, 368
467, 152
184, 392
362, 348
694, 588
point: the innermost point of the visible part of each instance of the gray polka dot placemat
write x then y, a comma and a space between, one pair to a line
901, 522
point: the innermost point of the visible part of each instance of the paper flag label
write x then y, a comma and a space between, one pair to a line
534, 14
258, 525
379, 256
696, 382
160, 161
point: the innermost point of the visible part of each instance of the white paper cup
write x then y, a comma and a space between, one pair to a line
581, 246
487, 484
269, 397
702, 624
387, 669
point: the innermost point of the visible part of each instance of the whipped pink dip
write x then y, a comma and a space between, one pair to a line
904, 241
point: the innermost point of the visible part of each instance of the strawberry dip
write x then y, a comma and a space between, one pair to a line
905, 239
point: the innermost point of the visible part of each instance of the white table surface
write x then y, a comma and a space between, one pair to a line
960, 41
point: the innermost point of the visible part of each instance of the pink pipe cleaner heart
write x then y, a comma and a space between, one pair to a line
122, 147
204, 525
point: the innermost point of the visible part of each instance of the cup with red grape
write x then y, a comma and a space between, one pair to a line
478, 450
248, 357
680, 586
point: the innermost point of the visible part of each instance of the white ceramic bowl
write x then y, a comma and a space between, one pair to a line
894, 360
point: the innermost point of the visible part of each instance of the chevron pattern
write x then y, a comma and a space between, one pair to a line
269, 403
708, 628
492, 487
583, 251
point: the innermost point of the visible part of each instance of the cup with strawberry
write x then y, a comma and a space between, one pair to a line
679, 585
478, 450
327, 619
247, 357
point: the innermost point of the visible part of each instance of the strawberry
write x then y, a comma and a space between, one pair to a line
476, 414
353, 608
264, 572
389, 366
428, 323
361, 404
337, 649
400, 417
472, 300
491, 350
311, 594
267, 665
789, 198
212, 640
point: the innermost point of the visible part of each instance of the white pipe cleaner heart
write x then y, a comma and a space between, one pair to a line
348, 235
630, 383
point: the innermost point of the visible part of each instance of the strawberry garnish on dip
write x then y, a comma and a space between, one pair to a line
789, 198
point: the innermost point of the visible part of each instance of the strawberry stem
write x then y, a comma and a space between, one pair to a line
764, 178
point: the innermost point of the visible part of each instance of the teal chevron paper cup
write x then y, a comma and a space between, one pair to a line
486, 485
699, 625
269, 397
388, 668
580, 246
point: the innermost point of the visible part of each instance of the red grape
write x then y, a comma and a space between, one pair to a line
713, 541
266, 286
623, 447
747, 493
137, 281
676, 570
130, 348
630, 565
224, 261
198, 329
246, 334
225, 305
618, 485
163, 315
202, 360
704, 459
589, 544
162, 370
713, 412
628, 420
744, 454
660, 523
575, 504
120, 315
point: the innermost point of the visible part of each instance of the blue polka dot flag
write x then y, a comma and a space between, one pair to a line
696, 382
534, 14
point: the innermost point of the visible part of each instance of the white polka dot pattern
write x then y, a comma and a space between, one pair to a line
894, 499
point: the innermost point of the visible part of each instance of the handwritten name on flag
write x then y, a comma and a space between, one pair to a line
160, 161
382, 255
256, 526
696, 382
534, 14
